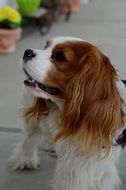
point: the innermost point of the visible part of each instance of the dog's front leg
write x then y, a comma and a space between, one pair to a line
25, 154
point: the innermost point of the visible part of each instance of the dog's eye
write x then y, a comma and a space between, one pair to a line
60, 56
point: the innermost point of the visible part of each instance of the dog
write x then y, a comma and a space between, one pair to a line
75, 102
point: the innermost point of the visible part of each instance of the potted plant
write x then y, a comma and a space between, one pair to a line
27, 7
10, 30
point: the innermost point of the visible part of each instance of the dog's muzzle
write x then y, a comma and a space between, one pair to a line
29, 54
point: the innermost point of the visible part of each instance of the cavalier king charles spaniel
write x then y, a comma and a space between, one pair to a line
75, 101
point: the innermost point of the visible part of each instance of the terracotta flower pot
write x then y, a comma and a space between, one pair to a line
8, 39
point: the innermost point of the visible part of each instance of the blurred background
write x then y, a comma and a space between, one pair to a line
28, 24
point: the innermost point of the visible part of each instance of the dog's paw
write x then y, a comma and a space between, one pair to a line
26, 164
20, 160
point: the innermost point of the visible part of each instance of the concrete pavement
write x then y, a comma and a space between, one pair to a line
24, 180
102, 22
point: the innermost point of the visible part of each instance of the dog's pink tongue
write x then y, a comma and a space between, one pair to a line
37, 89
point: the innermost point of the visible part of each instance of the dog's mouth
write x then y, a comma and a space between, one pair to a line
39, 87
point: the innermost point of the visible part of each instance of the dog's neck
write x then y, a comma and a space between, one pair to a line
55, 102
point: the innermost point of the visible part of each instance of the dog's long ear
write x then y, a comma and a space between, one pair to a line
38, 109
93, 108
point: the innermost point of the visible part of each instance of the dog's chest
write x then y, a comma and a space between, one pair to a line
49, 124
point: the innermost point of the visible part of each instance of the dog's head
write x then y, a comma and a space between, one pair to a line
49, 70
79, 74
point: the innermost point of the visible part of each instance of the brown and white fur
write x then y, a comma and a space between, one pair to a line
82, 122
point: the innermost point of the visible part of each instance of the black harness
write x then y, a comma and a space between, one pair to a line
124, 81
121, 140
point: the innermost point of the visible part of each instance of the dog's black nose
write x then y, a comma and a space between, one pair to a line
28, 55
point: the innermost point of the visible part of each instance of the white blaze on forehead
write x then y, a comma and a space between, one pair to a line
64, 39
60, 40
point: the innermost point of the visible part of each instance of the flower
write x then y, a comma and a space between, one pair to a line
10, 16
2, 16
